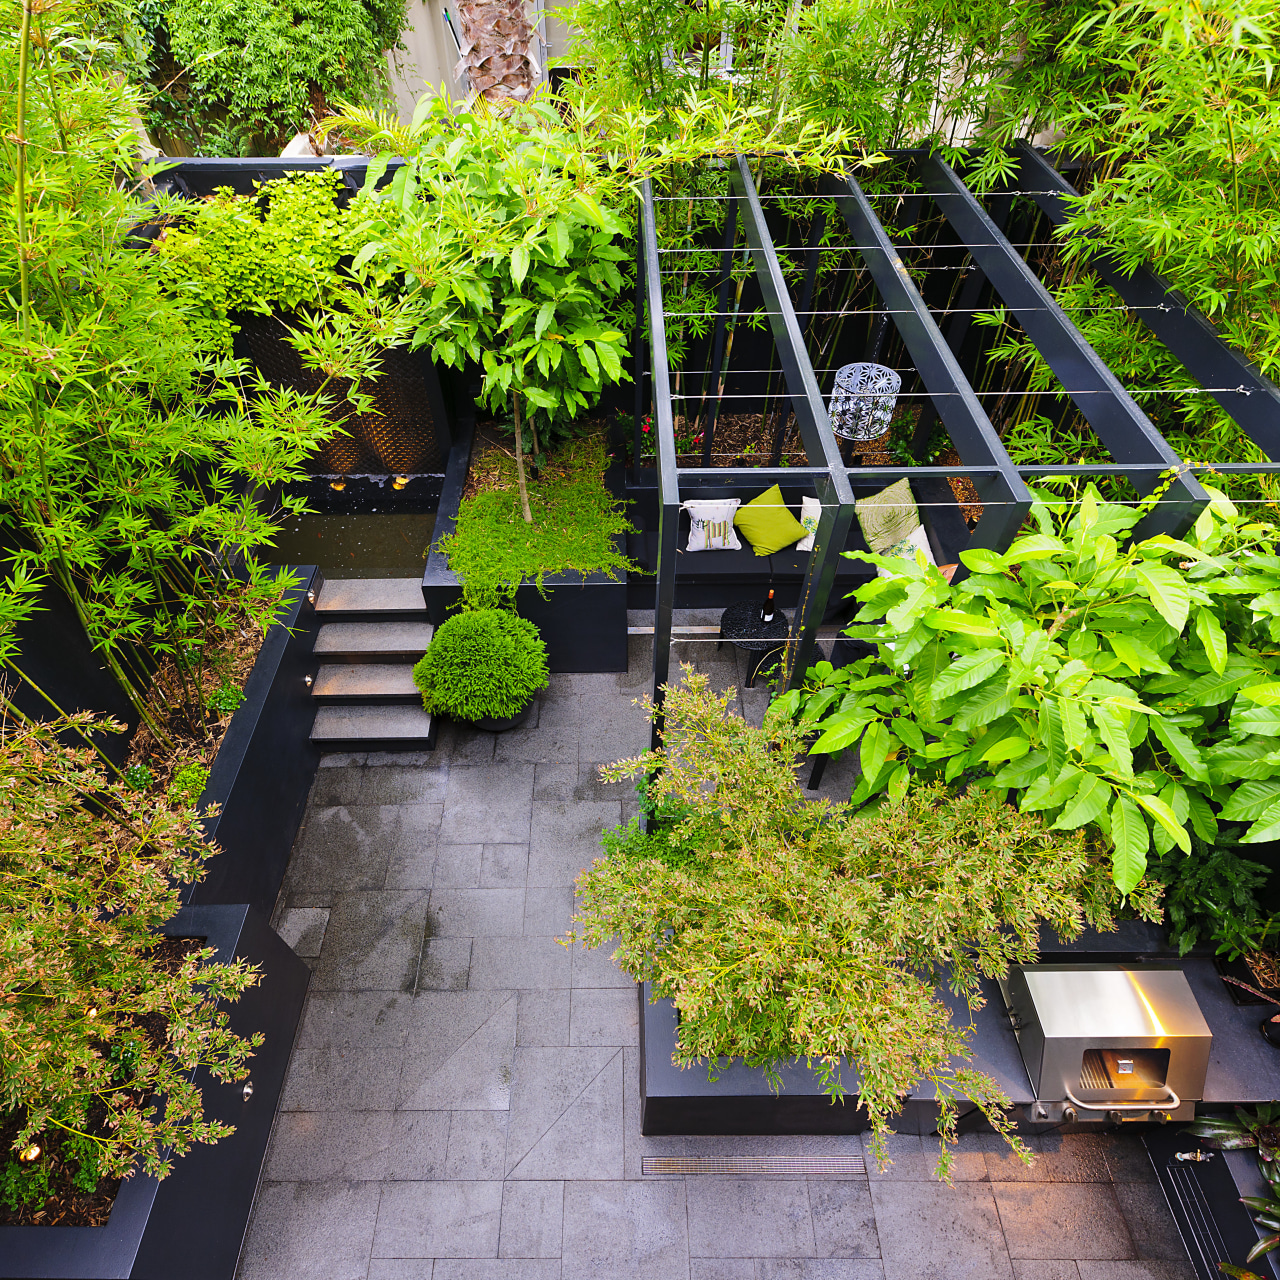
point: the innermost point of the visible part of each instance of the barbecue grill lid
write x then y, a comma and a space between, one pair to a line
1097, 1002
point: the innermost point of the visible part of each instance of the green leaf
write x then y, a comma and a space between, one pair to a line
1168, 591
546, 314
1253, 758
1052, 737
968, 671
841, 731
898, 782
1210, 634
1116, 736
1266, 828
1265, 695
1089, 801
1164, 816
983, 560
1261, 720
1130, 838
1013, 748
519, 263
1035, 546
874, 750
1137, 655
956, 620
1250, 800
1203, 823
1181, 748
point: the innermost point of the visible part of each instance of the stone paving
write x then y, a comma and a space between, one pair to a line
462, 1099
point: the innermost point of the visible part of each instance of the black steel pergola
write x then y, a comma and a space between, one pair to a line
993, 270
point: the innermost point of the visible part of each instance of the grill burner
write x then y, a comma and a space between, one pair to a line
1108, 1042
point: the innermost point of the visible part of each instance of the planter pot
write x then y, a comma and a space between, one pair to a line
494, 725
193, 1223
583, 621
265, 765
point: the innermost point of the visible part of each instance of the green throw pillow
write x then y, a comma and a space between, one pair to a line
888, 517
767, 523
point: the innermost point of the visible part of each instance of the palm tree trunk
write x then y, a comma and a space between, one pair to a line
496, 51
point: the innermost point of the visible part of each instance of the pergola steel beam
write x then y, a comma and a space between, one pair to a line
1098, 394
1255, 403
834, 491
1006, 498
668, 475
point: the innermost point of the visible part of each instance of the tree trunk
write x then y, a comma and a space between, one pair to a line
497, 56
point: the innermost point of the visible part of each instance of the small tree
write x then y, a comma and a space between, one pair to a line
100, 1030
784, 927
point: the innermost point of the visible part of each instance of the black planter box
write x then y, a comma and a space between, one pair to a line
266, 764
582, 620
192, 1224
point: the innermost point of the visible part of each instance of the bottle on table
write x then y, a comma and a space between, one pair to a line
766, 612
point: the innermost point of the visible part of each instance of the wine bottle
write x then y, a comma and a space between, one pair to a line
766, 613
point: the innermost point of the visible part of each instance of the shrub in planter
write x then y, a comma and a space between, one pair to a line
784, 927
1131, 690
483, 665
102, 1023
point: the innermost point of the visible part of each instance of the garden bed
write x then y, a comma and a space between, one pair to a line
192, 1223
582, 617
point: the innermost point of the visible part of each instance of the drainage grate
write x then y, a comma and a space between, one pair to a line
796, 1166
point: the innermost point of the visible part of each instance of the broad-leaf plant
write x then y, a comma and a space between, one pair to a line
1134, 687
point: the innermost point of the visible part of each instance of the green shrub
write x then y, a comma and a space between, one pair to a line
482, 664
188, 784
225, 699
138, 777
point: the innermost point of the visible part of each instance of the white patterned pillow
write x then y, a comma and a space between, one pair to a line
810, 511
906, 549
711, 524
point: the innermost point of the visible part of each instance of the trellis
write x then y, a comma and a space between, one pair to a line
994, 264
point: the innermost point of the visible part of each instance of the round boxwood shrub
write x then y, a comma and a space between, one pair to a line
482, 664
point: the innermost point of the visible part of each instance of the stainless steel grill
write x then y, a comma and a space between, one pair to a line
1108, 1042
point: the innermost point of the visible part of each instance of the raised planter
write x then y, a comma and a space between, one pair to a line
192, 1224
583, 621
266, 763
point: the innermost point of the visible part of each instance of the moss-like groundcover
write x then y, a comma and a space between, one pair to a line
576, 522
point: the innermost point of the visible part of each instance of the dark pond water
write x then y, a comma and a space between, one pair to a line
369, 545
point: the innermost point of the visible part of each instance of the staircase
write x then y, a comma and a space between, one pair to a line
372, 632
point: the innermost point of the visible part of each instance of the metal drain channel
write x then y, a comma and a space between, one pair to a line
797, 1166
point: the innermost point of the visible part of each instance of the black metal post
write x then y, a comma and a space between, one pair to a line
636, 433
668, 476
1120, 424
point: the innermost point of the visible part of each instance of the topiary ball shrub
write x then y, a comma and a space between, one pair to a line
483, 664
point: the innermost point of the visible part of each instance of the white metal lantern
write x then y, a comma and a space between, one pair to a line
862, 400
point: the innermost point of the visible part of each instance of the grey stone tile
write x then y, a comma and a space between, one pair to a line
319, 1146
504, 866
457, 866
355, 1019
343, 848
303, 929
1087, 1222
343, 759
564, 838
1150, 1270
542, 1019
749, 1218
519, 963
548, 910
604, 1016
566, 1114
438, 1220
310, 1231
477, 913
446, 965
477, 1144
394, 784
335, 784
722, 1268
556, 782
373, 942
532, 1220
419, 1146
818, 1269
1044, 1269
400, 1268
461, 745
633, 1229
338, 1078
411, 865
489, 804
484, 1269
1070, 1157
595, 968
459, 1051
1127, 1159
612, 728
844, 1224
543, 743
1151, 1225
929, 1231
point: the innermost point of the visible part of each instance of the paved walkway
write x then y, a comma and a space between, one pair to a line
461, 1103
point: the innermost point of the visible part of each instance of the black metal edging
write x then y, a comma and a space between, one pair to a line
1006, 497
1255, 404
1120, 424
834, 490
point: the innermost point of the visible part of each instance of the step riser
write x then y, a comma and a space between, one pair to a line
365, 657
367, 699
375, 744
370, 615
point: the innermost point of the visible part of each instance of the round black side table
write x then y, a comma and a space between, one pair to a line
740, 625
